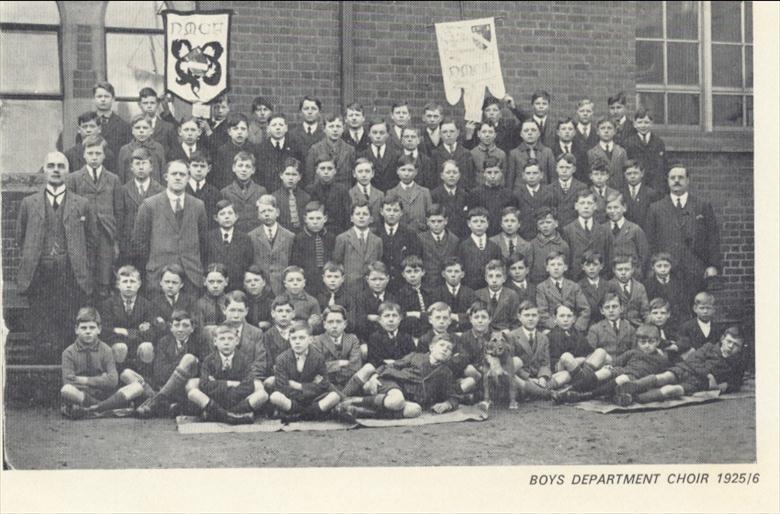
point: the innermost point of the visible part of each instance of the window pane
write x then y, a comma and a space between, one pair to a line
726, 65
748, 22
683, 62
727, 110
137, 15
18, 50
649, 19
683, 109
649, 62
41, 123
134, 61
749, 110
682, 20
748, 66
654, 102
44, 13
726, 21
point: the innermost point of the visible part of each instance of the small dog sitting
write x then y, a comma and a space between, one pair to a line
498, 367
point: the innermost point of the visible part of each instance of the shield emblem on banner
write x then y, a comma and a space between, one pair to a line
481, 36
196, 54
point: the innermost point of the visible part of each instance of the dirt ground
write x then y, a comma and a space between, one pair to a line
538, 433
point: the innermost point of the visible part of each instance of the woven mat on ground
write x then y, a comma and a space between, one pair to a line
748, 391
193, 425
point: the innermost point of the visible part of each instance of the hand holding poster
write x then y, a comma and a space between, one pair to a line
468, 51
196, 54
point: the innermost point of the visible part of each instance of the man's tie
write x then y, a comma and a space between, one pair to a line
567, 148
565, 189
679, 203
363, 242
511, 247
55, 199
531, 152
277, 145
633, 193
377, 152
271, 236
625, 290
391, 231
294, 219
481, 244
559, 285
615, 327
532, 339
141, 191
615, 228
178, 210
226, 366
319, 251
587, 227
608, 151
365, 191
309, 130
93, 174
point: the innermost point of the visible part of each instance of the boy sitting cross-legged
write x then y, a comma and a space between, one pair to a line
89, 372
302, 387
406, 386
712, 366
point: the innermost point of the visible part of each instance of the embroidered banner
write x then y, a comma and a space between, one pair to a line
468, 51
196, 54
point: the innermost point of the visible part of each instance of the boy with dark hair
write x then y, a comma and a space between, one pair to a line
332, 292
356, 134
609, 151
410, 142
162, 131
547, 241
664, 283
305, 305
613, 334
712, 366
141, 130
383, 156
331, 146
599, 175
413, 298
170, 295
313, 246
531, 354
372, 292
290, 198
271, 242
398, 241
492, 195
262, 109
452, 194
364, 190
198, 187
302, 387
637, 195
237, 129
104, 192
564, 337
565, 189
558, 290
452, 292
617, 114
585, 234
632, 293
113, 128
531, 196
518, 268
508, 239
310, 131
645, 146
436, 244
431, 132
568, 142
188, 142
487, 149
586, 133
277, 338
506, 128
88, 124
228, 245
357, 247
274, 151
627, 238
258, 296
89, 373
340, 349
502, 302
400, 118
214, 129
388, 343
530, 148
450, 149
332, 195
477, 250
592, 284
414, 198
540, 107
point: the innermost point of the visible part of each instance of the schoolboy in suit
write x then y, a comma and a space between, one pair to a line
566, 189
331, 194
170, 295
188, 142
134, 192
558, 290
56, 233
617, 112
413, 298
518, 268
507, 129
487, 149
649, 149
331, 146
492, 195
340, 349
540, 109
311, 129
453, 198
104, 191
271, 242
113, 128
229, 246
430, 133
198, 187
547, 240
531, 196
586, 132
452, 292
585, 234
477, 250
664, 282
410, 142
400, 118
638, 196
237, 127
171, 227
162, 131
356, 134
609, 151
262, 109
598, 178
370, 295
436, 244
215, 130
450, 149
530, 148
274, 151
88, 124
502, 302
357, 247
614, 334
413, 198
382, 155
508, 239
363, 190
593, 286
291, 198
398, 241
632, 293
693, 333
243, 192
627, 238
142, 138
313, 246
567, 142
531, 353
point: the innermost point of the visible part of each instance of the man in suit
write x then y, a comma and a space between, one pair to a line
171, 228
685, 226
271, 242
56, 232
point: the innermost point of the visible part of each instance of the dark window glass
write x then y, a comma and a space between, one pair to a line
727, 110
649, 62
726, 22
726, 65
683, 109
654, 102
649, 19
682, 20
683, 63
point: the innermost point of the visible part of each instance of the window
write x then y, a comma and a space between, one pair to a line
134, 51
694, 63
30, 96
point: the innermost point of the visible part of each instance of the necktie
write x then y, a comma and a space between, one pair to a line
309, 130
362, 238
141, 191
128, 307
178, 211
226, 238
55, 199
532, 339
679, 203
355, 137
559, 285
493, 303
93, 174
481, 243
319, 251
633, 193
625, 290
568, 148
587, 226
377, 152
608, 151
615, 228
294, 219
451, 192
420, 299
391, 231
277, 145
271, 235
365, 191
332, 300
531, 152
615, 326
565, 188
171, 300
450, 149
226, 365
511, 247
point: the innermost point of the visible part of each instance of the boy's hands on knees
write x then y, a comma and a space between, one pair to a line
295, 385
121, 331
713, 384
315, 320
413, 314
343, 363
442, 407
144, 327
233, 383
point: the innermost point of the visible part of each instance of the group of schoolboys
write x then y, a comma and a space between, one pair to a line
361, 267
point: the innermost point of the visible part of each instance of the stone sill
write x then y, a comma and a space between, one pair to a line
718, 141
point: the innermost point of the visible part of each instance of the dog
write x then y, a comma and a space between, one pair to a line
498, 367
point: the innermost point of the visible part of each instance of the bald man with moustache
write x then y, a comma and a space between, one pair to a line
56, 232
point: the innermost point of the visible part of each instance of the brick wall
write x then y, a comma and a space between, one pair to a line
84, 76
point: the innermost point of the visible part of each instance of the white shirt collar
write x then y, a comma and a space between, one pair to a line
227, 360
479, 239
394, 227
606, 146
705, 327
451, 148
172, 197
413, 153
533, 189
453, 290
539, 120
55, 190
312, 126
229, 233
529, 333
195, 185
271, 229
523, 284
584, 222
565, 183
683, 199
277, 142
361, 232
406, 187
620, 222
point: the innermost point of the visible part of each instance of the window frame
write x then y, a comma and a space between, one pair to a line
45, 29
704, 88
132, 31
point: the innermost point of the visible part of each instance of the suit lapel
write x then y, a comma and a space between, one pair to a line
522, 341
168, 212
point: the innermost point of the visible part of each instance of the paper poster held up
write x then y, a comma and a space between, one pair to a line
468, 51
